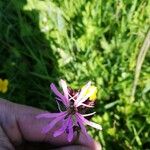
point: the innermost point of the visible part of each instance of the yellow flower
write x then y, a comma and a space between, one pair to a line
3, 85
92, 89
94, 95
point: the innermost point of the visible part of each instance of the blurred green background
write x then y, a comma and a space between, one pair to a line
42, 41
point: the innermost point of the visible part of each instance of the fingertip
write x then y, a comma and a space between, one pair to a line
89, 142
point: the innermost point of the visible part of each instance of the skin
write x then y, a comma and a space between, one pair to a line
20, 130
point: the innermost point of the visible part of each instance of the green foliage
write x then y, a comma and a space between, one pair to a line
81, 40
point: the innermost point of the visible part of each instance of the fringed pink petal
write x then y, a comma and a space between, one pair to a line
83, 129
70, 128
63, 128
49, 115
92, 124
62, 97
52, 123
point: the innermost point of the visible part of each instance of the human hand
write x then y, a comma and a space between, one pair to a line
20, 130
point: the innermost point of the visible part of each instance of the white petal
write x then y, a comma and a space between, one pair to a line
64, 87
90, 106
85, 97
82, 93
92, 124
86, 115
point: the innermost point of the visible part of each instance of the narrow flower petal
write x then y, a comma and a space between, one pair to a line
83, 129
70, 128
85, 98
86, 115
62, 98
92, 124
58, 99
58, 106
90, 106
63, 128
82, 93
49, 115
52, 123
64, 87
73, 97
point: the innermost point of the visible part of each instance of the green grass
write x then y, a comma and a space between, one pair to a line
81, 40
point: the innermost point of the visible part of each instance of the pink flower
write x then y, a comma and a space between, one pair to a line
73, 118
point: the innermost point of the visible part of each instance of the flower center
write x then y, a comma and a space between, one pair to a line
72, 109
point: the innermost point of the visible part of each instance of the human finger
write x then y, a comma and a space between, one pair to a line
20, 123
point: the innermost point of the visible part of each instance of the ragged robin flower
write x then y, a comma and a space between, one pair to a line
73, 117
3, 85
